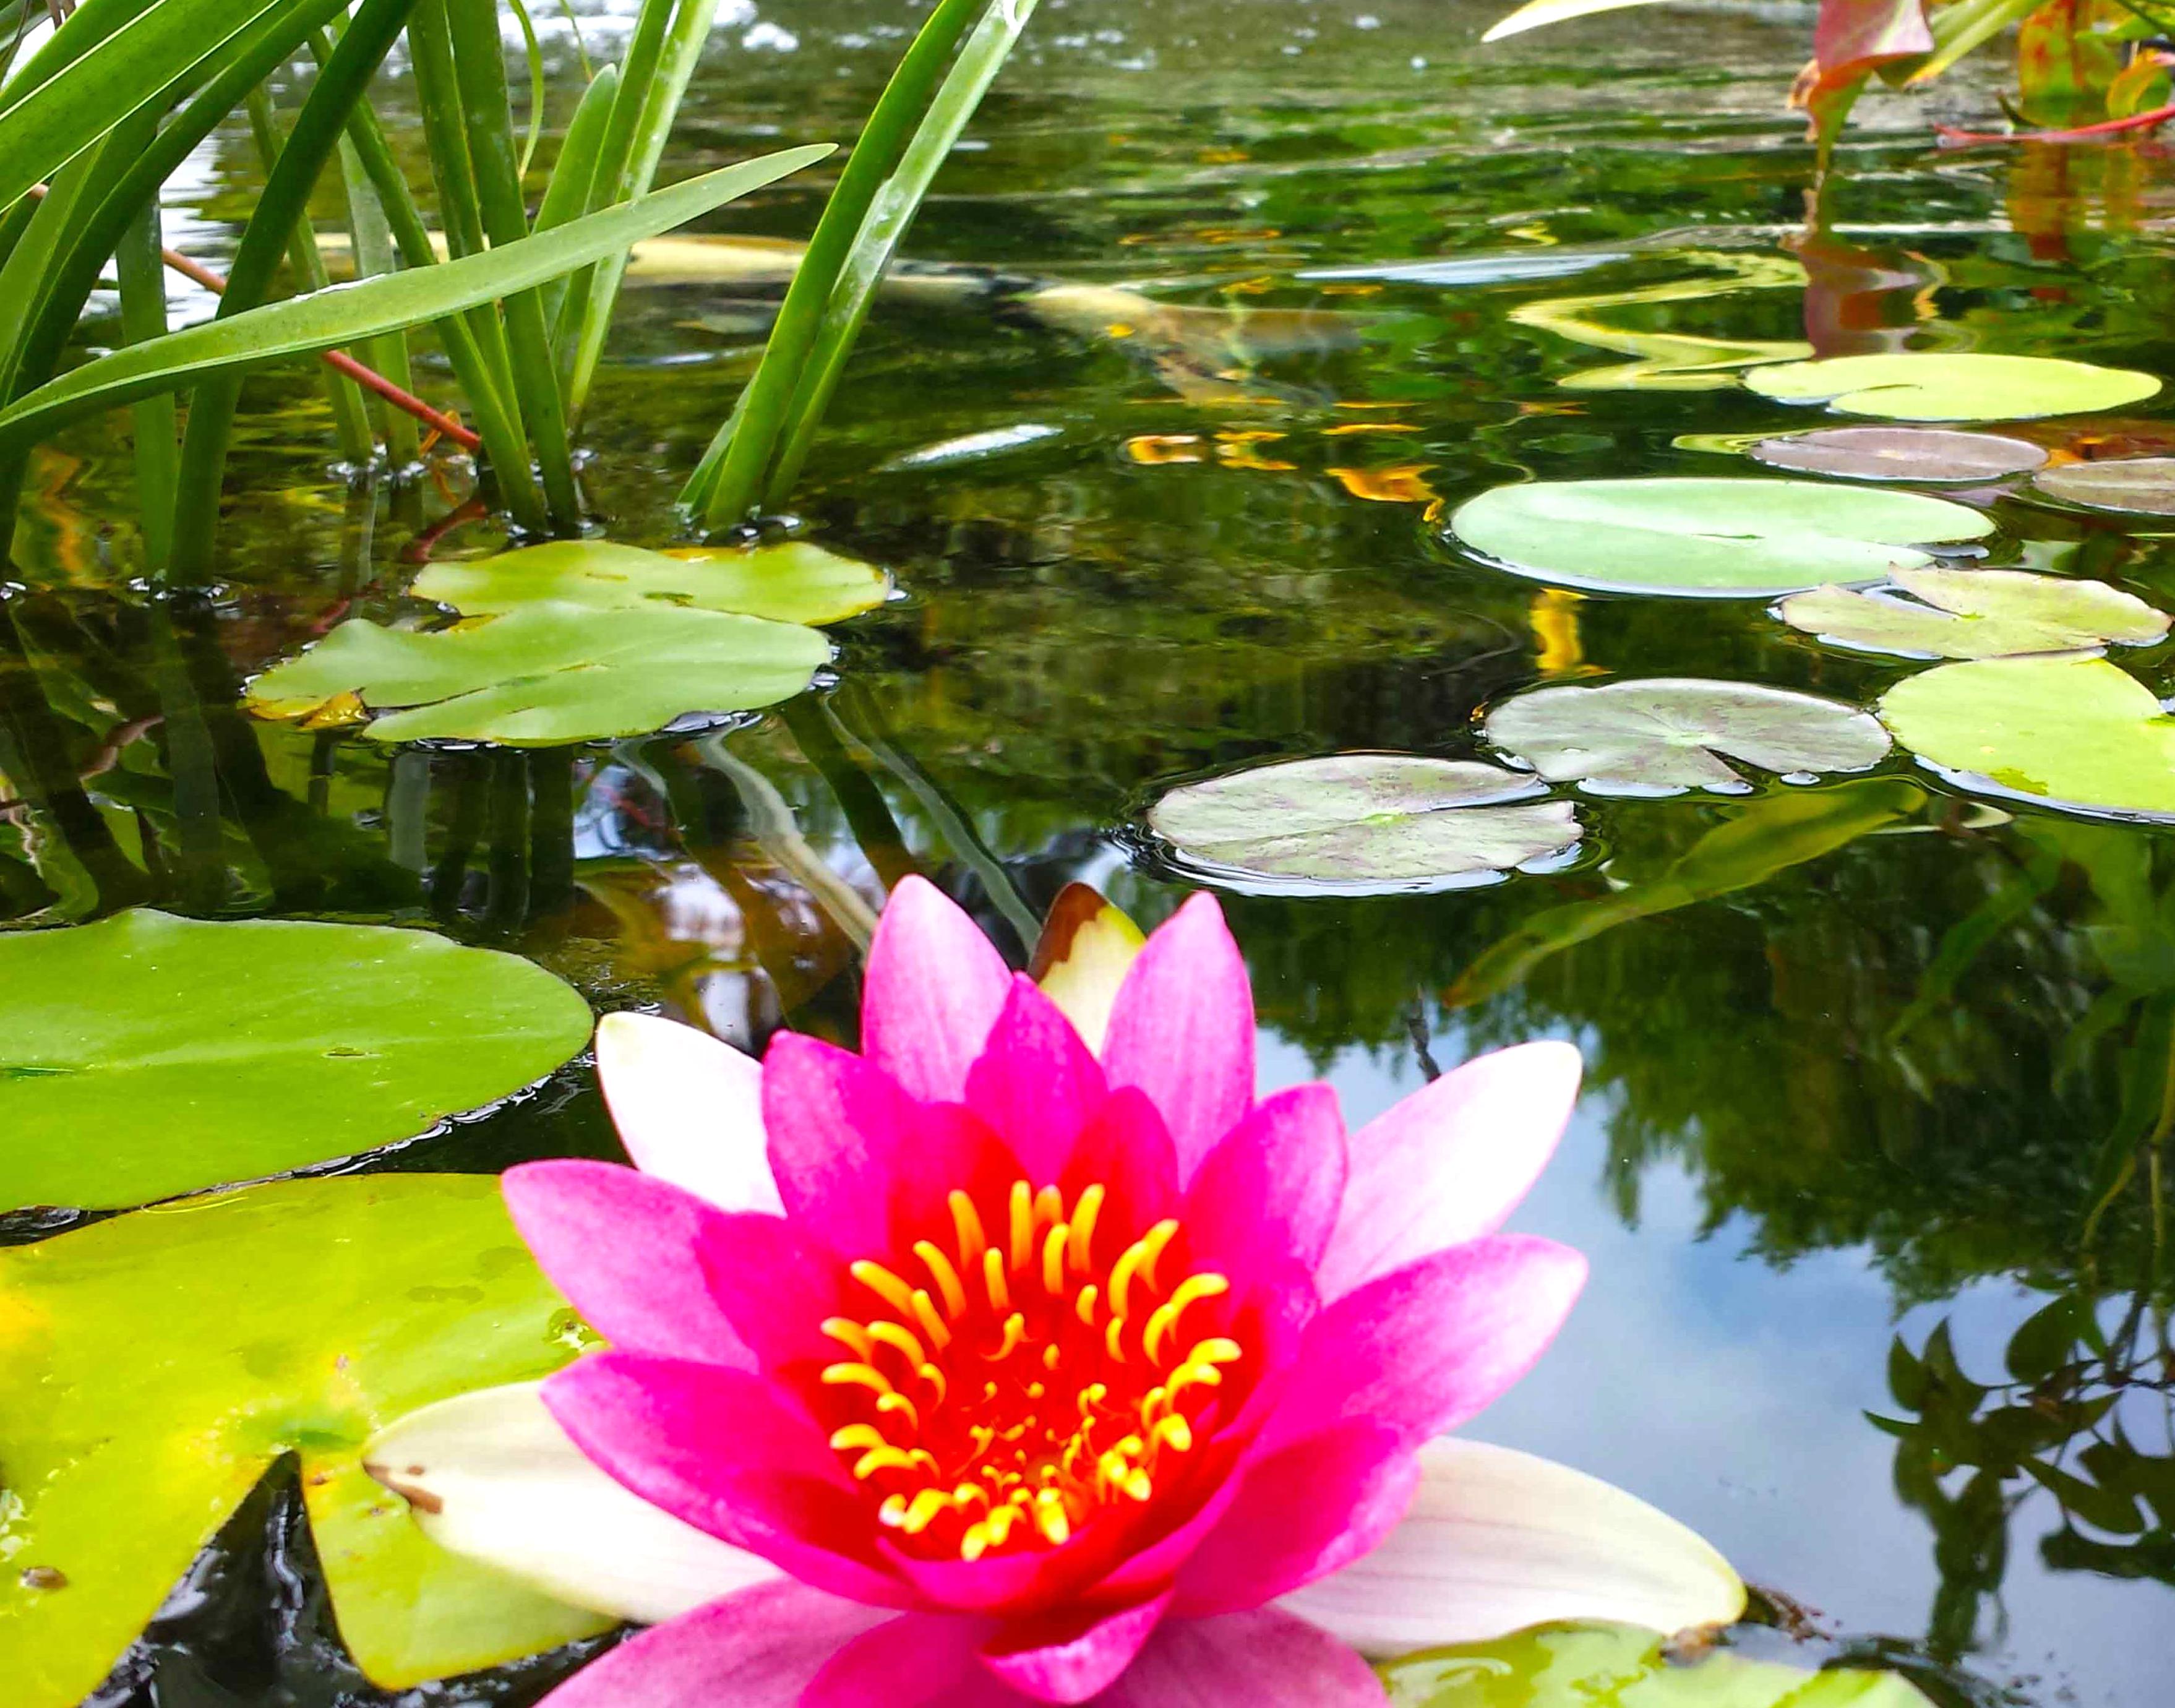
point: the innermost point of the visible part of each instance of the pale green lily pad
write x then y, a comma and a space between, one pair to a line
1362, 823
2068, 731
791, 583
1929, 386
1617, 1667
1900, 453
1667, 735
1706, 536
159, 1363
543, 675
146, 1056
1977, 613
2136, 485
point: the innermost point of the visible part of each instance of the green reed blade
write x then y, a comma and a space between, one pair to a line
143, 321
533, 50
571, 191
374, 254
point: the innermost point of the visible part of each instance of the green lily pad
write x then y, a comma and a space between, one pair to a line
2068, 731
2138, 485
792, 583
543, 675
146, 1056
1363, 823
1617, 1667
159, 1363
1668, 733
1900, 453
1928, 387
1976, 614
1721, 537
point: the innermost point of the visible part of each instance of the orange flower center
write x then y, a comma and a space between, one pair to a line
1014, 1385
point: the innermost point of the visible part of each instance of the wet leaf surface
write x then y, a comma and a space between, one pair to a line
1900, 453
1976, 614
2137, 485
793, 582
1926, 387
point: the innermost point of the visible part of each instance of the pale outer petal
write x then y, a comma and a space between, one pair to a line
689, 1109
491, 1476
1498, 1541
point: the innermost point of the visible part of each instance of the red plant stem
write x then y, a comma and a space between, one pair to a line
1951, 137
368, 379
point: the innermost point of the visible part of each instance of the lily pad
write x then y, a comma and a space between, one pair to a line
792, 583
158, 1364
1929, 386
1900, 453
1619, 1666
1977, 613
1706, 536
2138, 486
2068, 731
543, 675
1667, 735
146, 1056
1363, 823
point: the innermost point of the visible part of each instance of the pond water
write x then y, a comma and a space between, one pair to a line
1865, 1058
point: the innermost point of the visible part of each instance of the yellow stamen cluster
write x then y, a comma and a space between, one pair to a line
1013, 1385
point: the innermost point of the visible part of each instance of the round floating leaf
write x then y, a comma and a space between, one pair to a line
158, 1365
1976, 614
543, 674
1708, 536
1670, 734
146, 1056
1363, 822
1900, 453
1927, 387
2069, 731
794, 582
1619, 1666
2140, 485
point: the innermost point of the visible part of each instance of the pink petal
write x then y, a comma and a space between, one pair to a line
729, 1454
689, 1109
1264, 1659
776, 1286
935, 987
1126, 1151
1301, 1514
1451, 1162
918, 1662
1074, 1660
758, 1649
1425, 1348
1182, 1030
627, 1251
1036, 1083
1268, 1194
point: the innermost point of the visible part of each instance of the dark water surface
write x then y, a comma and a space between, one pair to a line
1861, 1073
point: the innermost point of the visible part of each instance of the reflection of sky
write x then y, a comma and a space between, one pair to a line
1731, 1394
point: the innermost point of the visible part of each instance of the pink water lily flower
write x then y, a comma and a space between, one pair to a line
999, 1363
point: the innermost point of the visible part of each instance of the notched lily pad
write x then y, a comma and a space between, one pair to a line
159, 1363
1360, 823
1671, 733
1705, 536
1900, 453
544, 675
146, 1056
1976, 614
2136, 485
2067, 731
1929, 386
791, 583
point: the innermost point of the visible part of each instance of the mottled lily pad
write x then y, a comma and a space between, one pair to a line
148, 1055
1670, 734
544, 675
1363, 822
159, 1364
2138, 486
2067, 731
1900, 453
791, 583
1619, 1666
1929, 386
1976, 614
1703, 536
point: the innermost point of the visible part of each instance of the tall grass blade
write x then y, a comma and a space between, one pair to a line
374, 254
143, 271
572, 191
